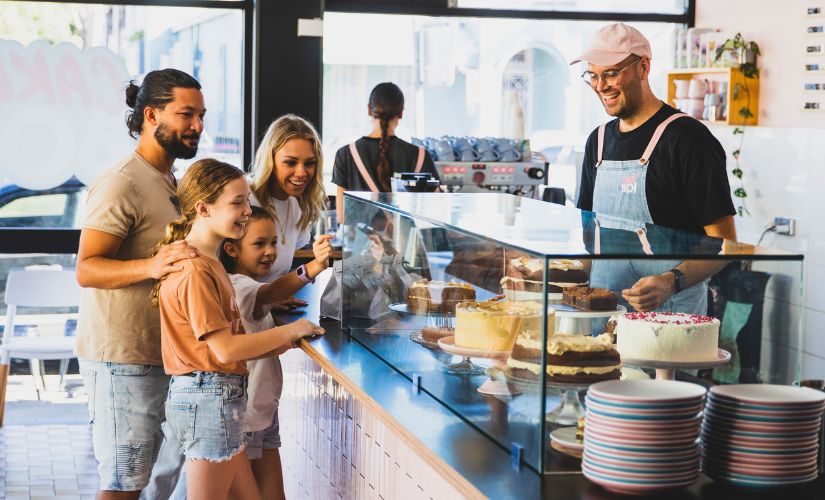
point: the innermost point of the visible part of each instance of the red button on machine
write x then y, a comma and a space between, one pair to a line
478, 177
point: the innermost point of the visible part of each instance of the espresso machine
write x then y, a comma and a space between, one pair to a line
521, 178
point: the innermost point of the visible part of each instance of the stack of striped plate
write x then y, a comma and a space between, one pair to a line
641, 436
762, 436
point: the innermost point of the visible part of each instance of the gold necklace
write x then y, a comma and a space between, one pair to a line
283, 225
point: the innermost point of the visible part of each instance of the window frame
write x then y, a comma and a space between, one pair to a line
63, 240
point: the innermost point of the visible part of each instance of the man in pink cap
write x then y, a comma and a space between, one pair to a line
653, 165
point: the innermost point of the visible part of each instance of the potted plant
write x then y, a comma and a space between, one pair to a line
746, 54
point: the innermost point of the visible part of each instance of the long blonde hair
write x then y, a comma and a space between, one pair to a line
264, 180
203, 181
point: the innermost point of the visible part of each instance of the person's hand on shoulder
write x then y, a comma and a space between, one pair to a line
163, 262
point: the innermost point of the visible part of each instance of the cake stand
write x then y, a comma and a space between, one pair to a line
496, 383
574, 321
444, 321
666, 370
569, 409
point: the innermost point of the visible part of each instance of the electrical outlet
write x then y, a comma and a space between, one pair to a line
785, 225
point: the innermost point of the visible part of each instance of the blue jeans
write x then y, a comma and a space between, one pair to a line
206, 414
126, 408
267, 439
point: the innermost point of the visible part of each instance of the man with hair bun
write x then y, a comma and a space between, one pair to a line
118, 332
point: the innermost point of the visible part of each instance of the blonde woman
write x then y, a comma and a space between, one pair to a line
287, 181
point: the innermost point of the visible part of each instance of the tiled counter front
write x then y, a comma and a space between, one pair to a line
338, 443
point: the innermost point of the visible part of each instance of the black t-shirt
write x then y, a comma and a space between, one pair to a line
686, 185
403, 157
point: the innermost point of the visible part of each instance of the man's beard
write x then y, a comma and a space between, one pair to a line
632, 101
174, 145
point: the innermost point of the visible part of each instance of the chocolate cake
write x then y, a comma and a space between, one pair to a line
590, 299
425, 296
527, 274
570, 359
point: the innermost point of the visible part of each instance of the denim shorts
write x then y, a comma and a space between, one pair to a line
267, 439
205, 412
126, 408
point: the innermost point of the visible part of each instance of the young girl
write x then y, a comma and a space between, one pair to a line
368, 164
202, 340
247, 259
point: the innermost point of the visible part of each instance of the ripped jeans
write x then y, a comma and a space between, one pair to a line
125, 409
205, 411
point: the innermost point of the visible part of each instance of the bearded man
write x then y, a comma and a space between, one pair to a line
650, 165
118, 344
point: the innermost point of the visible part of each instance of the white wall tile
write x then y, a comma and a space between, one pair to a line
815, 333
814, 366
815, 286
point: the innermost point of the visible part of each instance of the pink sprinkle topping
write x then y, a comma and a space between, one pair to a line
669, 318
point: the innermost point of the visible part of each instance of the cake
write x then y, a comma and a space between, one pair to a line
526, 274
573, 359
657, 336
426, 296
434, 334
494, 326
590, 299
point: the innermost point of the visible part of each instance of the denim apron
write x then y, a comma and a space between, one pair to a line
620, 192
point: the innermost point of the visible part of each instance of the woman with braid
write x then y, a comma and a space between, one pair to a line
368, 164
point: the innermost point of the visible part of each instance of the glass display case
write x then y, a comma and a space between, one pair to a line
497, 306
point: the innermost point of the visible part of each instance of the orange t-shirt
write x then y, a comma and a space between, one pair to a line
195, 302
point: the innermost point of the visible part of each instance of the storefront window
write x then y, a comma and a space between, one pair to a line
645, 6
63, 69
455, 73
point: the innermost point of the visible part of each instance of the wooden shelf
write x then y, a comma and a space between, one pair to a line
731, 76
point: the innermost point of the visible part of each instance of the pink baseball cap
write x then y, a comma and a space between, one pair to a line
613, 44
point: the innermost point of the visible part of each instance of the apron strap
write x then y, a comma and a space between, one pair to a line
362, 169
656, 136
420, 161
600, 145
642, 234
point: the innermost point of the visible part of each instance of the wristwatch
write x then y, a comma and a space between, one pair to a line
303, 274
680, 281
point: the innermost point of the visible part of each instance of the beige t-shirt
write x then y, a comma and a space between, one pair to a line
132, 201
195, 302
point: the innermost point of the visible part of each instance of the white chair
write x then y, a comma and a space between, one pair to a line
47, 287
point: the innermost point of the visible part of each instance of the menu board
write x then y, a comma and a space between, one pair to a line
813, 91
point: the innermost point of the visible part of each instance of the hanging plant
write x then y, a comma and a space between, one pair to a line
746, 54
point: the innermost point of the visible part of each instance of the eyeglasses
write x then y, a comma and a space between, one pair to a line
608, 77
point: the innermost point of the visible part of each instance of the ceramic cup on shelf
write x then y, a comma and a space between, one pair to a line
681, 104
697, 88
681, 88
444, 150
695, 107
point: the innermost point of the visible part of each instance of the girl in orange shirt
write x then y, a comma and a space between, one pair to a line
202, 338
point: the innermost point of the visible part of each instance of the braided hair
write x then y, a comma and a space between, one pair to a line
386, 103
